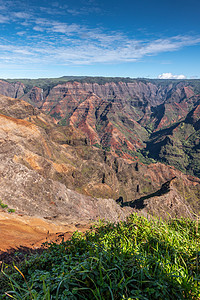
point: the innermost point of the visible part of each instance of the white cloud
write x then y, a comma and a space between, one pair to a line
22, 51
4, 19
171, 76
21, 33
84, 11
74, 12
65, 28
38, 28
2, 7
22, 15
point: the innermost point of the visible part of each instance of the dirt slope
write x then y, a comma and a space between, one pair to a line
24, 231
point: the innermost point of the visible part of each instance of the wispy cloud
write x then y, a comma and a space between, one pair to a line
54, 10
21, 33
4, 19
38, 28
54, 42
84, 11
91, 49
22, 15
58, 9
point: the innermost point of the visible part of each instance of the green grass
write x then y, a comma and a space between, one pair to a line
136, 259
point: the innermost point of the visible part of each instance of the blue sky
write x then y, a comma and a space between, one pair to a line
152, 39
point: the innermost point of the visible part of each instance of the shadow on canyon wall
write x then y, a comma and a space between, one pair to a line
139, 203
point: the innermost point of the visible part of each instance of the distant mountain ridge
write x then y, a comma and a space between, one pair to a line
132, 118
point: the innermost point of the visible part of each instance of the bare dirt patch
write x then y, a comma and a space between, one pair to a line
24, 231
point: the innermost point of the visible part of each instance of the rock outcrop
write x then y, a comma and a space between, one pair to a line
14, 90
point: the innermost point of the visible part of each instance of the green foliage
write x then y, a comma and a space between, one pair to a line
2, 205
97, 145
11, 210
106, 148
143, 157
64, 122
177, 145
136, 259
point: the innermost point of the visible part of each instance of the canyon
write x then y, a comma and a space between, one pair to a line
71, 149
